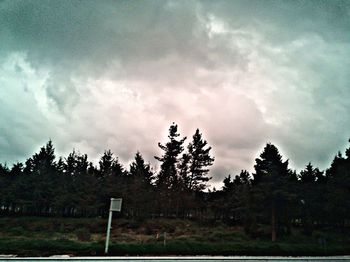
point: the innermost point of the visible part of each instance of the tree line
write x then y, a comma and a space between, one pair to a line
73, 186
273, 196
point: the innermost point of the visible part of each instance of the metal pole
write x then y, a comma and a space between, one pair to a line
108, 230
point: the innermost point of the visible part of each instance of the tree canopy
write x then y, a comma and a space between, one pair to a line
273, 196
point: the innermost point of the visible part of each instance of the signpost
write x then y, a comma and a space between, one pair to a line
116, 205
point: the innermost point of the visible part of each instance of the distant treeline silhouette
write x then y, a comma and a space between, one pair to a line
273, 197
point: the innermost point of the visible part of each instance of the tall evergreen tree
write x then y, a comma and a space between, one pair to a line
80, 184
184, 171
107, 164
187, 201
167, 180
141, 188
44, 179
271, 185
9, 186
236, 194
309, 174
338, 189
112, 181
200, 160
309, 197
168, 175
141, 170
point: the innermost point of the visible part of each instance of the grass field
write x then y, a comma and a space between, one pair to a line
33, 236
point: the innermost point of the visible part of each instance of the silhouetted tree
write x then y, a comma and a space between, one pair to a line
309, 196
167, 180
236, 200
112, 181
200, 160
338, 189
141, 188
271, 185
44, 179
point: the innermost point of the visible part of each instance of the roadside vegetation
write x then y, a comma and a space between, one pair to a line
33, 236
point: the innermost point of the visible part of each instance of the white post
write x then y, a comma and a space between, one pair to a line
108, 230
116, 205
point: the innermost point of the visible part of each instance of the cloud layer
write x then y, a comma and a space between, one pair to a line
96, 75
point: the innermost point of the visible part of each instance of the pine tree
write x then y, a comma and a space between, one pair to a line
186, 200
338, 189
106, 163
184, 171
112, 181
308, 175
236, 194
4, 173
83, 185
141, 188
309, 197
168, 181
168, 175
44, 179
200, 160
141, 170
271, 185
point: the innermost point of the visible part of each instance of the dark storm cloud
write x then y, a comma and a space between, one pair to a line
286, 20
114, 74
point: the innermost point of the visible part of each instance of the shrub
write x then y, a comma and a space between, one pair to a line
83, 234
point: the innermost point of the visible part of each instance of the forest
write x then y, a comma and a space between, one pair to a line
273, 195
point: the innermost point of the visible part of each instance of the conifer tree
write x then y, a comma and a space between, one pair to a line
309, 196
140, 188
168, 175
44, 179
338, 193
141, 170
184, 171
168, 183
112, 181
200, 160
271, 184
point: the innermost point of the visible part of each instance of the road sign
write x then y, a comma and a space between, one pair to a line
116, 204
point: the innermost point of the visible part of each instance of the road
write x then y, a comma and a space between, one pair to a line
179, 259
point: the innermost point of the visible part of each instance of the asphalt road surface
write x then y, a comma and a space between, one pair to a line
178, 259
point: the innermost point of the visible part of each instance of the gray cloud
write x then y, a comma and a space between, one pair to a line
97, 75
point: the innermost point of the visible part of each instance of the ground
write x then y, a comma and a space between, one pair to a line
34, 236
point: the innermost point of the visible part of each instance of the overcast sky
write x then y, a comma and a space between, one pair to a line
96, 75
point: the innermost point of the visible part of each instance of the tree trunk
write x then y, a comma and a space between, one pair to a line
273, 223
